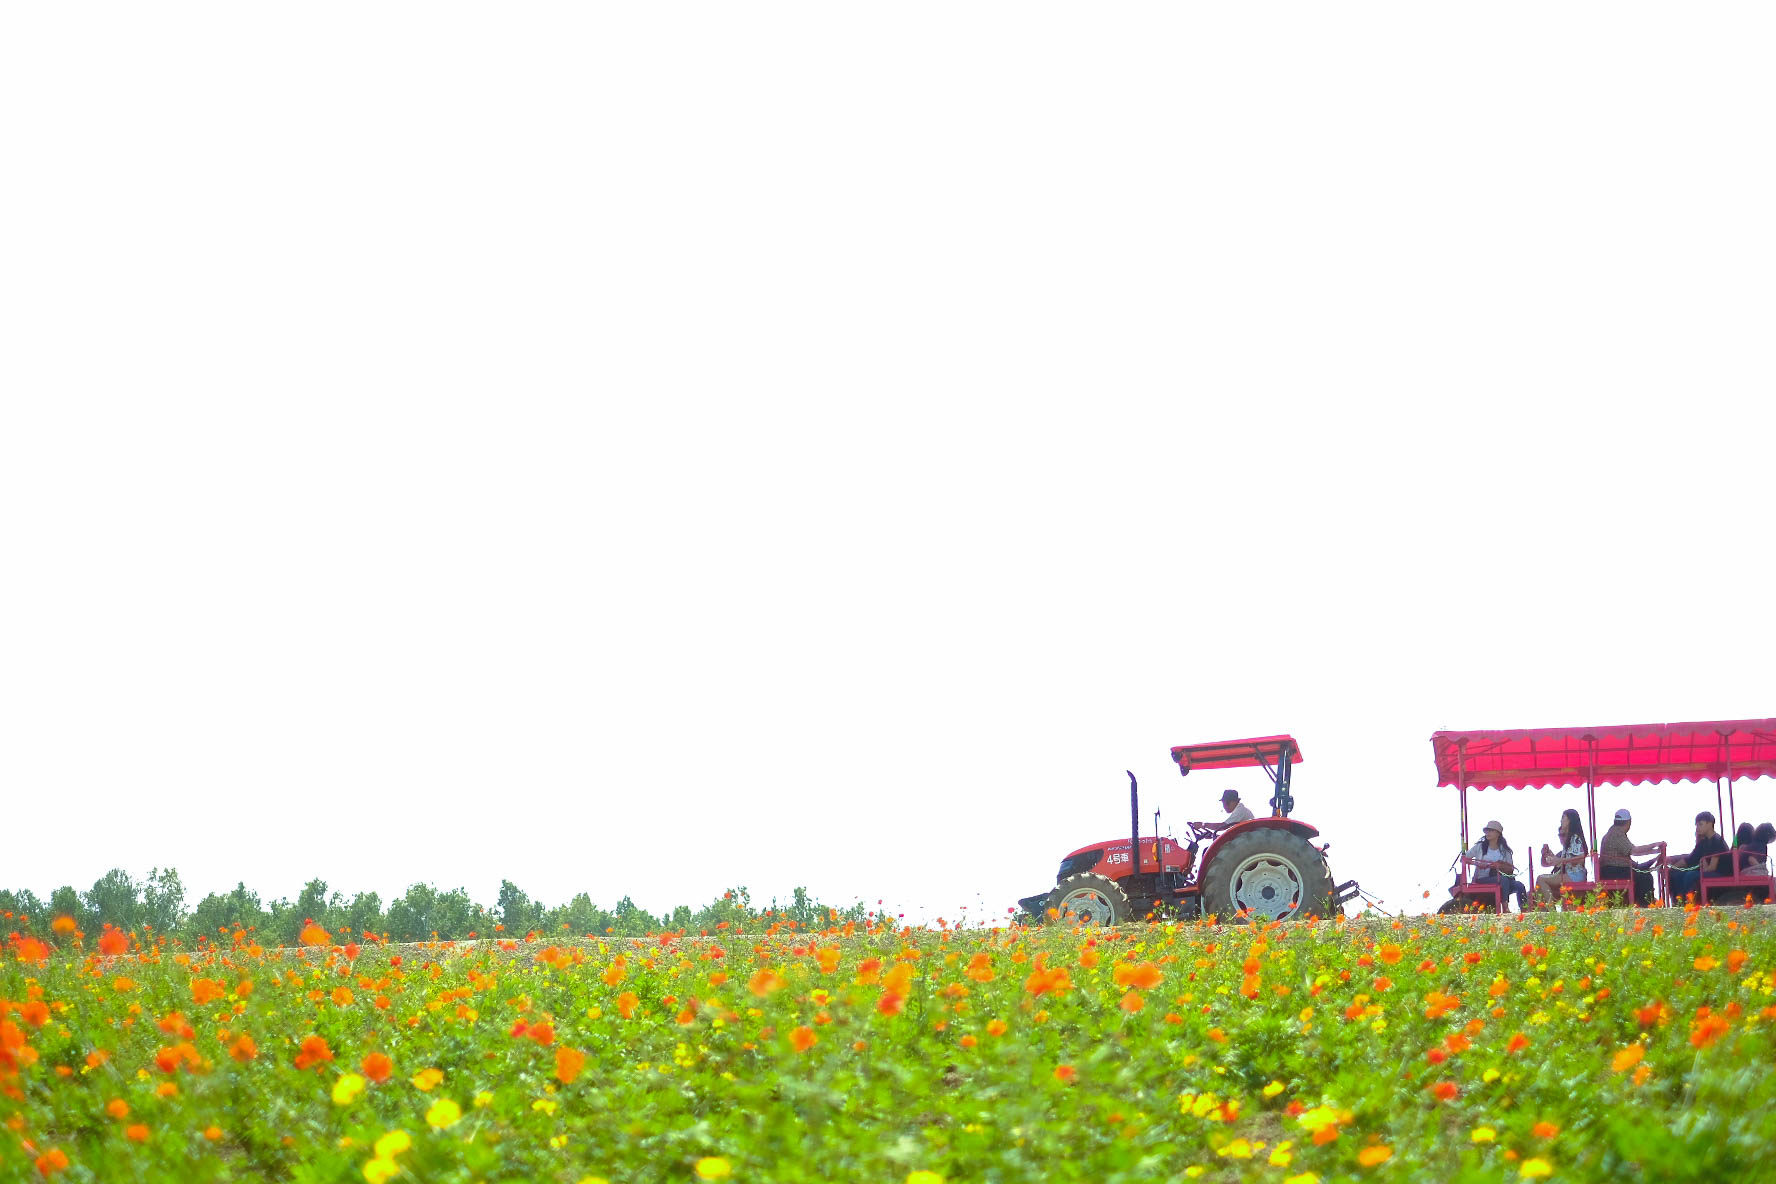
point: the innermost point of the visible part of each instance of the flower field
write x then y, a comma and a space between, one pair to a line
1599, 1046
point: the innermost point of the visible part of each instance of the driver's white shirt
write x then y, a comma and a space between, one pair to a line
1240, 814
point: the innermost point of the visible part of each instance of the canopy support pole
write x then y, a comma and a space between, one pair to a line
1591, 792
1732, 809
1461, 781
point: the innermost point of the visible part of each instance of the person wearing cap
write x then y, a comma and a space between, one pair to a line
1707, 858
1616, 858
1569, 863
1236, 812
1495, 854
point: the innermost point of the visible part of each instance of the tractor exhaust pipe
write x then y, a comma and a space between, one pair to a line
1134, 820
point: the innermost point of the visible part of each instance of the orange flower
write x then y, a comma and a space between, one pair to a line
1735, 960
63, 925
1065, 1074
341, 997
1088, 959
1544, 1130
1390, 953
1706, 962
568, 1063
1384, 983
1626, 1058
996, 1027
377, 1067
1517, 1043
1142, 975
802, 1039
764, 982
1456, 1042
616, 972
543, 1034
213, 1133
1133, 1002
35, 1012
626, 1004
1707, 1028
1445, 1091
980, 969
1379, 1153
314, 1051
1043, 981
113, 941
243, 1049
136, 1133
52, 1161
890, 1003
314, 935
205, 991
117, 1108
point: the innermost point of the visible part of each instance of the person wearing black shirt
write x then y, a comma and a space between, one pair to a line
1704, 860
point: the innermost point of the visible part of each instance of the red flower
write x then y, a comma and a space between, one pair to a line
378, 1067
314, 1050
113, 941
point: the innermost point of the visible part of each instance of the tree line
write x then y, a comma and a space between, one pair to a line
157, 903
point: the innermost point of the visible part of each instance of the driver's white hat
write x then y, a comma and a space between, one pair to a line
1624, 816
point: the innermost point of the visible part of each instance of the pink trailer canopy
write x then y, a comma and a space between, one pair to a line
1635, 754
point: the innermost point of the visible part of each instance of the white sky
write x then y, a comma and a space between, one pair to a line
648, 449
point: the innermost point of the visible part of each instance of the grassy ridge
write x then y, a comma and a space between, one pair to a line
1580, 1046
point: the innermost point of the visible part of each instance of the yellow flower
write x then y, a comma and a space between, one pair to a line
1490, 1076
392, 1144
1273, 1089
924, 1178
1238, 1149
1535, 1169
1303, 1178
593, 1180
546, 1105
426, 1079
483, 1100
1195, 1170
558, 1141
347, 1088
1280, 1155
1483, 1134
713, 1167
379, 1169
1379, 1153
443, 1113
1319, 1116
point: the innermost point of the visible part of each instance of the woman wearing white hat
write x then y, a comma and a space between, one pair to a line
1493, 851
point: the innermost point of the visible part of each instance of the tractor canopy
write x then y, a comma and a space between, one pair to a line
1633, 754
1628, 754
1260, 752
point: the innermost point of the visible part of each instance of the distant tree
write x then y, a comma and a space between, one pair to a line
65, 902
579, 917
364, 914
216, 914
115, 899
21, 904
517, 912
630, 920
410, 917
681, 917
163, 900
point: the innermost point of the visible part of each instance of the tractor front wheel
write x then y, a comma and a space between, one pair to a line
1091, 899
1267, 875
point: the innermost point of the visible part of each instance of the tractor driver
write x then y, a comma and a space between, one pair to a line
1236, 811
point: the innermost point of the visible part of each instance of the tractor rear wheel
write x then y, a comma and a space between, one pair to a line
1091, 899
1268, 875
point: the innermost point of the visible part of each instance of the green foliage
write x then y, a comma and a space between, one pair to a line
1460, 1052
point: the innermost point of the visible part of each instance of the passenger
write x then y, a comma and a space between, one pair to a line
1236, 812
1616, 858
1762, 839
1705, 859
1746, 838
1493, 851
1569, 863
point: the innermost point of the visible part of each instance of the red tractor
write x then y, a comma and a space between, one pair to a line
1263, 869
